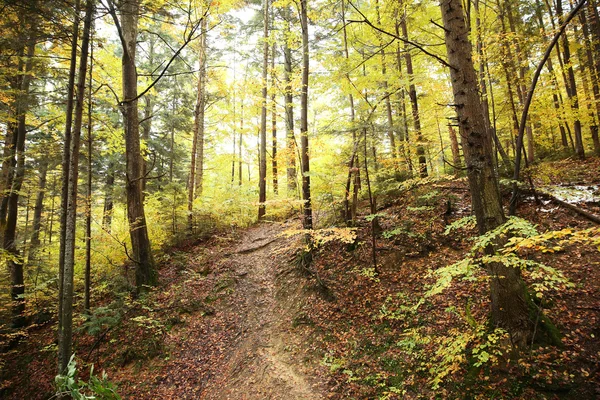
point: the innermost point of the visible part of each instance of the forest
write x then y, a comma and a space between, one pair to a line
300, 199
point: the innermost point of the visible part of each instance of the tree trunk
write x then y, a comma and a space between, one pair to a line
65, 334
289, 110
510, 309
107, 213
88, 194
304, 152
274, 122
571, 87
145, 273
199, 111
457, 163
594, 76
146, 124
412, 94
38, 210
262, 166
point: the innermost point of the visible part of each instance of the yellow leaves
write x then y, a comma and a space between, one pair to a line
320, 237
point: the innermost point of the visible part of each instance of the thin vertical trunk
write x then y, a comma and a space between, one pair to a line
50, 224
572, 87
289, 109
66, 313
38, 209
304, 151
197, 156
66, 159
88, 194
240, 145
15, 264
262, 156
199, 113
107, 213
556, 92
274, 122
412, 94
146, 124
593, 78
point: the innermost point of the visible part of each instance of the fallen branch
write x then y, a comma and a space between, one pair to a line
592, 217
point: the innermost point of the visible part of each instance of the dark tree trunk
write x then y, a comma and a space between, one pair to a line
199, 112
510, 309
145, 272
414, 102
289, 112
108, 198
15, 264
65, 334
262, 156
304, 152
571, 87
274, 122
38, 210
88, 194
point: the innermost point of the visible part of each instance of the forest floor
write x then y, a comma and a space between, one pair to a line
234, 317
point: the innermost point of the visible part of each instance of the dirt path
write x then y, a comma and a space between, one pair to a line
264, 362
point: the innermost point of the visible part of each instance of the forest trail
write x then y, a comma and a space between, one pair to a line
261, 364
264, 358
248, 347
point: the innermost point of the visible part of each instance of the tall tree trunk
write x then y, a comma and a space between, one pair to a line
38, 210
88, 194
262, 153
145, 272
107, 213
594, 104
199, 112
510, 309
304, 151
274, 122
66, 159
15, 264
572, 87
457, 163
412, 94
289, 108
146, 124
65, 335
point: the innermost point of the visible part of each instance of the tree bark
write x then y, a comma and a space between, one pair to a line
274, 122
199, 112
510, 309
65, 334
289, 109
262, 153
414, 102
145, 272
304, 151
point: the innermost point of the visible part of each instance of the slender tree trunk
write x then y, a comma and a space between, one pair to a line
510, 309
289, 109
107, 213
88, 194
145, 272
199, 112
15, 264
262, 166
412, 94
274, 122
240, 145
146, 124
594, 104
66, 159
304, 151
38, 210
65, 335
572, 88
